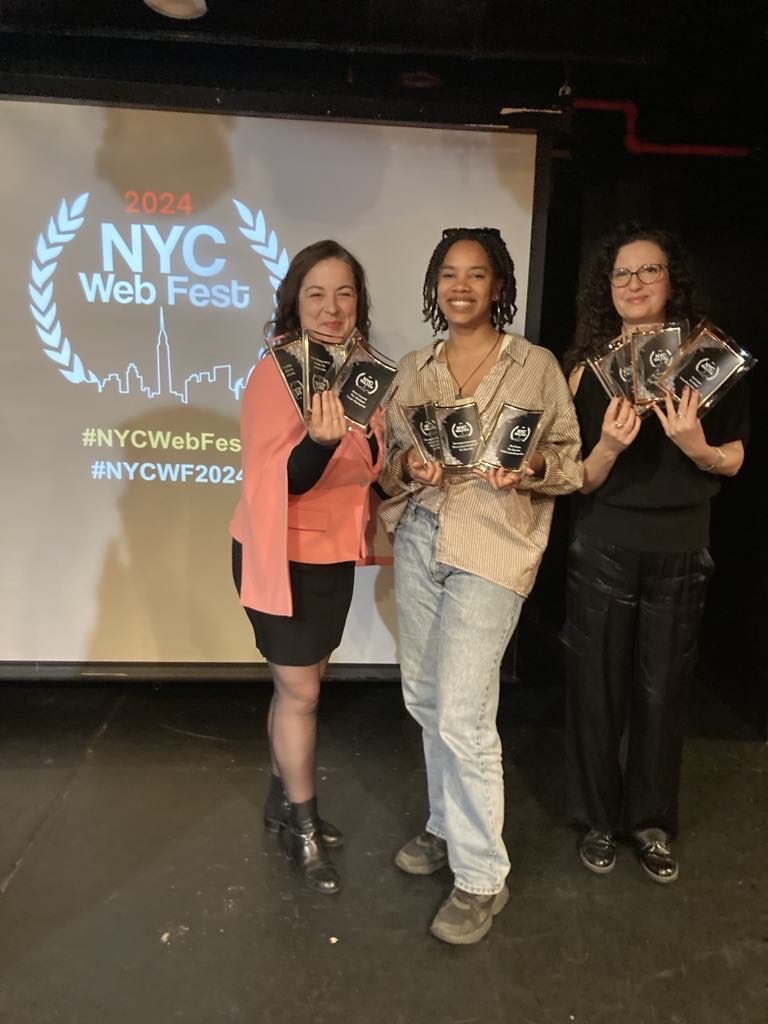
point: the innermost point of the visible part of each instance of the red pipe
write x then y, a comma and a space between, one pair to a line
636, 145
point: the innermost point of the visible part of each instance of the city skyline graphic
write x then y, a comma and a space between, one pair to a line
133, 381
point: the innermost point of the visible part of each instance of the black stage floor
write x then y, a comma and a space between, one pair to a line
139, 888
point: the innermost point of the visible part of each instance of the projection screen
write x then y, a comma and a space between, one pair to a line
142, 252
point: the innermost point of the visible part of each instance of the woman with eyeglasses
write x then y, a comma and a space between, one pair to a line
467, 548
638, 564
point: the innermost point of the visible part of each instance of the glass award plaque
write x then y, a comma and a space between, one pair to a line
324, 357
460, 433
653, 352
422, 424
363, 382
513, 438
613, 368
711, 363
288, 352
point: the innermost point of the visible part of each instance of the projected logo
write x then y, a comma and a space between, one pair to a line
192, 246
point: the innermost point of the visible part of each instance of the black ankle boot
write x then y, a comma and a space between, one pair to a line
302, 840
276, 806
276, 811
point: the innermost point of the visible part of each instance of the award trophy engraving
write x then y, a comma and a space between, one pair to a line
288, 351
461, 434
653, 352
513, 438
324, 357
422, 423
308, 363
710, 363
614, 368
363, 382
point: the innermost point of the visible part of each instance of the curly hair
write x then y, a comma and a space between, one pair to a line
596, 318
504, 309
286, 315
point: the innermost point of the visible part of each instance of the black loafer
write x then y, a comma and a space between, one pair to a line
657, 861
598, 851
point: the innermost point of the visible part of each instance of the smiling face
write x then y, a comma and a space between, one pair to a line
638, 303
466, 286
328, 299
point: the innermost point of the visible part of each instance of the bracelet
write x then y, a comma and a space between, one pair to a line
713, 466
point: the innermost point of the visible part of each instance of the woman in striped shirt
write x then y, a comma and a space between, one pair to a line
467, 549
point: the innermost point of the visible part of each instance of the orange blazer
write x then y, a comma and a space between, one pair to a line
327, 524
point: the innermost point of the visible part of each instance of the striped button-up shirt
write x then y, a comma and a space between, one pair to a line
499, 535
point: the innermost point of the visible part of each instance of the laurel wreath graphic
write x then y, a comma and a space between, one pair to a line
50, 244
267, 248
256, 233
62, 229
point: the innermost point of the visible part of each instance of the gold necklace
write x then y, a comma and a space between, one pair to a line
460, 387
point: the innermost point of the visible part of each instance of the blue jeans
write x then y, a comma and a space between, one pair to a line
454, 628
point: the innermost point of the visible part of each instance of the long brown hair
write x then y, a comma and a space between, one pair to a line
286, 317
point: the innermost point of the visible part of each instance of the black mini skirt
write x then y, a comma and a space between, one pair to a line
321, 596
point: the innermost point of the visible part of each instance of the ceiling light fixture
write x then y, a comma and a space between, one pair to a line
183, 10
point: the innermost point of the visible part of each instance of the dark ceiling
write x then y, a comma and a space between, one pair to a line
696, 70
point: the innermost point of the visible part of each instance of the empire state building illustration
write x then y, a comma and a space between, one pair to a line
132, 380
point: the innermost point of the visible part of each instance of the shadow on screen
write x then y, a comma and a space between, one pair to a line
166, 592
156, 152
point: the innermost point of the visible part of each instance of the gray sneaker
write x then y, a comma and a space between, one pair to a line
465, 918
423, 855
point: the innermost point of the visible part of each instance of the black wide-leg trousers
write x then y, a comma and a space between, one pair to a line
631, 639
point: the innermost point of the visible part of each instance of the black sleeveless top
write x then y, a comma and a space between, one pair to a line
655, 498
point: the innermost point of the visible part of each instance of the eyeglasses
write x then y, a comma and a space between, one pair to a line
649, 273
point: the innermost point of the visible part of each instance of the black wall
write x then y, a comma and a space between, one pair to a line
717, 206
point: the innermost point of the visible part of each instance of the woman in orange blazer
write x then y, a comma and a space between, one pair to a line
298, 531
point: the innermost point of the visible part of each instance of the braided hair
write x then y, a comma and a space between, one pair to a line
596, 318
503, 310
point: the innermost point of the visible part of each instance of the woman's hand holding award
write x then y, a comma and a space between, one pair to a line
663, 360
452, 437
311, 363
